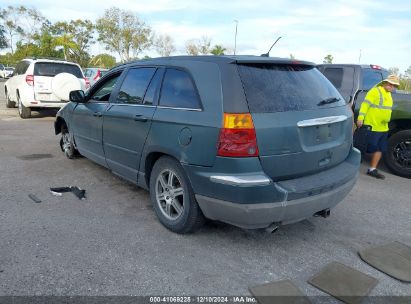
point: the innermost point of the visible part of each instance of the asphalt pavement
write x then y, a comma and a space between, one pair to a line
112, 244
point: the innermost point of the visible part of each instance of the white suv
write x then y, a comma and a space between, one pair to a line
34, 82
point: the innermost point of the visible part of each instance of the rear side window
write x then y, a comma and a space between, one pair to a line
370, 77
22, 67
342, 79
88, 73
178, 90
279, 88
134, 85
52, 69
335, 75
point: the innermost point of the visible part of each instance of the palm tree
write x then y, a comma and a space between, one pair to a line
218, 50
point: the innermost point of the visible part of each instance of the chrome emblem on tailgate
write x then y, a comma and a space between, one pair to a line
321, 121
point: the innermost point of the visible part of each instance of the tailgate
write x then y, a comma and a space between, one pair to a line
42, 89
302, 123
293, 144
43, 77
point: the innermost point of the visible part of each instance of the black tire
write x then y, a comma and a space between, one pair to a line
177, 210
67, 144
24, 112
398, 156
9, 103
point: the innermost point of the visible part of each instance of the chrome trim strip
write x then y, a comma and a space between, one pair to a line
172, 108
131, 105
248, 180
321, 121
120, 148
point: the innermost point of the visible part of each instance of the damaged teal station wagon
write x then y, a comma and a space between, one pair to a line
256, 142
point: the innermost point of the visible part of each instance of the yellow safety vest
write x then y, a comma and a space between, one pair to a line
376, 109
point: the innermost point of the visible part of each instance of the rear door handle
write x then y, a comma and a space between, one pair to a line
97, 114
140, 118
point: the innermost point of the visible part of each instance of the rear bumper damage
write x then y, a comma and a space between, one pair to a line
253, 216
296, 199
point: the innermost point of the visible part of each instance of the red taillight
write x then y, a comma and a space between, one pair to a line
87, 82
375, 67
30, 80
237, 137
98, 75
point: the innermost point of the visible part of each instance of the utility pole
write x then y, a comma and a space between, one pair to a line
235, 36
359, 58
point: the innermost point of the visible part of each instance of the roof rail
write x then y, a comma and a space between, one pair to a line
45, 57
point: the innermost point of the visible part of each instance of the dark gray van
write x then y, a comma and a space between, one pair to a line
251, 141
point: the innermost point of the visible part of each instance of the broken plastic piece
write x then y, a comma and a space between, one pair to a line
56, 193
61, 189
76, 191
35, 198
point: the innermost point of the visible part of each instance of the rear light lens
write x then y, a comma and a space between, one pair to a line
375, 67
87, 82
237, 137
98, 75
30, 80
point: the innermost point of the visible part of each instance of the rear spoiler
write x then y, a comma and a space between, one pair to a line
274, 61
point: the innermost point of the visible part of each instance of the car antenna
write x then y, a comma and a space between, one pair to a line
268, 53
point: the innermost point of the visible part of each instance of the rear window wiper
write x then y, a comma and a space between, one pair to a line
328, 101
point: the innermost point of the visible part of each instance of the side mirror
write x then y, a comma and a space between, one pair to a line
77, 96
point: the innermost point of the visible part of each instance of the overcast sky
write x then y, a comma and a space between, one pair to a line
366, 31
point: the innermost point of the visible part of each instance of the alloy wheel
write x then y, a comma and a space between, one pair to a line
402, 153
169, 194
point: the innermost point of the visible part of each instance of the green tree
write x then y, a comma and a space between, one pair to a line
407, 72
328, 59
195, 47
405, 80
3, 40
292, 56
123, 32
192, 48
394, 70
164, 45
103, 60
75, 38
218, 50
204, 45
21, 24
43, 45
10, 22
47, 44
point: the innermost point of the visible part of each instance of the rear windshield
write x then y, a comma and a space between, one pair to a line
280, 88
54, 68
370, 77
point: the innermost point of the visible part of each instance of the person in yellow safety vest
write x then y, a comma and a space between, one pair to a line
375, 112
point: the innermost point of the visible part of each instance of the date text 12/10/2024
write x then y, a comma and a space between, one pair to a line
202, 299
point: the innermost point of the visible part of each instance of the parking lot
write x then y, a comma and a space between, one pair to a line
112, 243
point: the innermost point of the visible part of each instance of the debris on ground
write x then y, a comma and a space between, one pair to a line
80, 193
34, 198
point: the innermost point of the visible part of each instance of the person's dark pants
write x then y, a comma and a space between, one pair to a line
377, 141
